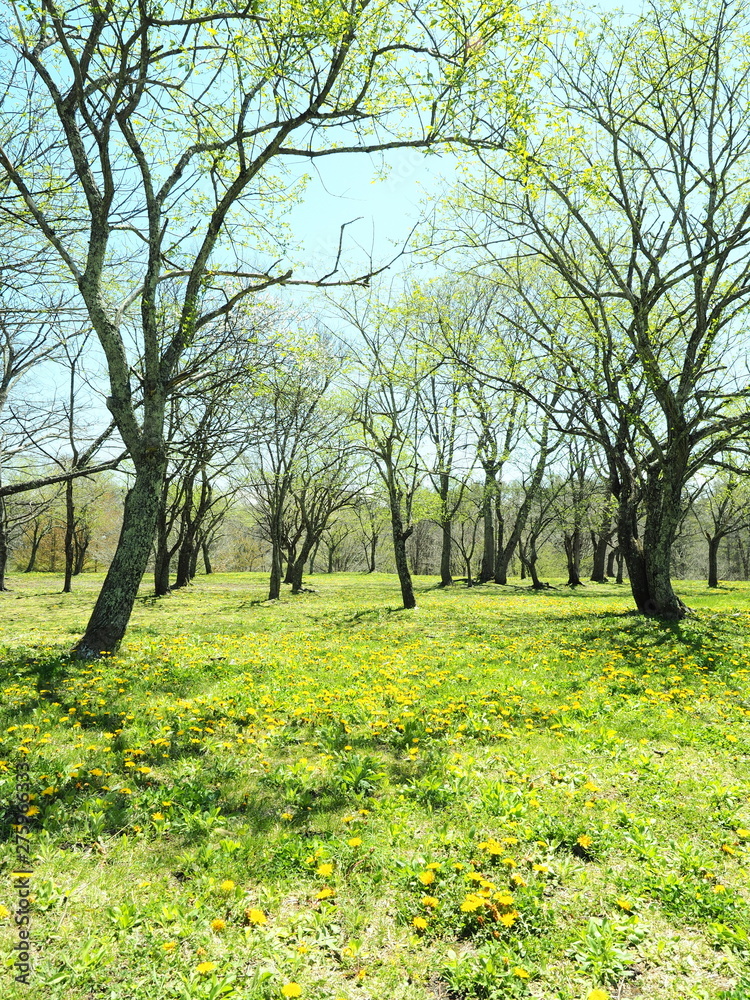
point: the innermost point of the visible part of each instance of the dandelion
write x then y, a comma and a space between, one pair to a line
521, 972
624, 904
4, 912
742, 832
287, 815
598, 995
291, 990
33, 811
584, 841
426, 878
218, 924
325, 893
157, 816
431, 901
354, 841
257, 917
508, 919
205, 967
325, 870
169, 946
420, 923
471, 903
227, 885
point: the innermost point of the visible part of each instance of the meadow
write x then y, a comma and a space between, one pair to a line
499, 794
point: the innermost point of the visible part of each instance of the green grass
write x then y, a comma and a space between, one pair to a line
499, 794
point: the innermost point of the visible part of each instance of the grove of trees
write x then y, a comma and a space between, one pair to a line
563, 369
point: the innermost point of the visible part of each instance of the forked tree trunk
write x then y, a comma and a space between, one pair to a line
600, 543
114, 605
648, 561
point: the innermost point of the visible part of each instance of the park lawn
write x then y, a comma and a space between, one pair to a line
500, 794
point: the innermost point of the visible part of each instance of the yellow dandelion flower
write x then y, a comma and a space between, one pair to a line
218, 924
420, 923
521, 972
287, 815
256, 916
584, 841
598, 995
227, 885
742, 832
431, 901
325, 893
325, 870
518, 880
205, 967
624, 904
291, 990
471, 903
33, 811
157, 816
169, 946
354, 841
508, 919
4, 912
426, 878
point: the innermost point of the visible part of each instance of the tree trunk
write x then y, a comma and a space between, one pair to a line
299, 564
610, 571
600, 543
205, 545
184, 558
446, 526
36, 540
373, 547
713, 560
114, 605
648, 562
487, 569
399, 549
3, 543
70, 515
572, 546
445, 555
274, 586
469, 580
501, 566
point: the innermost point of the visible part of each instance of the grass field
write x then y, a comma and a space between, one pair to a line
499, 794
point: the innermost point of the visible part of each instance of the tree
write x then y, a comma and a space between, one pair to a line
632, 221
156, 131
383, 406
723, 512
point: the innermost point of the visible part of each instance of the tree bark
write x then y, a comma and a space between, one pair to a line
114, 605
600, 544
399, 549
713, 559
70, 515
445, 555
3, 543
205, 546
487, 569
572, 546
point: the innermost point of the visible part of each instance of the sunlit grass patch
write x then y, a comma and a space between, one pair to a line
497, 794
